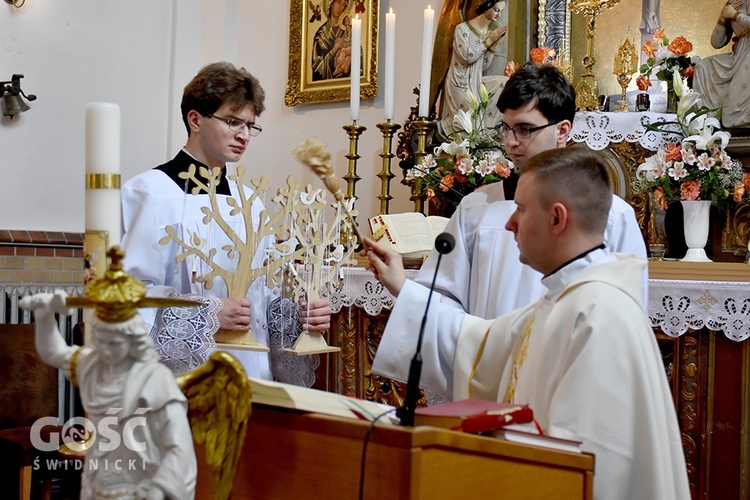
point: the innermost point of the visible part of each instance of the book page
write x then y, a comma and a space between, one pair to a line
316, 401
437, 224
407, 233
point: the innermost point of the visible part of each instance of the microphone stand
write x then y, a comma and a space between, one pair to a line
444, 244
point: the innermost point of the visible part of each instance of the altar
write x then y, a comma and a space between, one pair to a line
700, 313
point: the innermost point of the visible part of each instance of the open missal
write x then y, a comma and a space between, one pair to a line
473, 415
412, 234
316, 401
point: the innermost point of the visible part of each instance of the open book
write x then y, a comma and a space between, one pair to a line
412, 234
272, 393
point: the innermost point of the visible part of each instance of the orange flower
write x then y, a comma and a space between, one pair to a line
659, 198
739, 192
659, 34
746, 181
459, 177
502, 170
649, 48
680, 46
643, 82
688, 71
542, 55
430, 193
510, 68
673, 152
446, 183
689, 190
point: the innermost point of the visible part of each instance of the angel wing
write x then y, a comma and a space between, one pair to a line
219, 403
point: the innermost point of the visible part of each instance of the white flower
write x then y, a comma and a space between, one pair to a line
483, 95
677, 83
453, 148
702, 130
651, 166
678, 171
472, 100
689, 99
485, 167
465, 165
464, 120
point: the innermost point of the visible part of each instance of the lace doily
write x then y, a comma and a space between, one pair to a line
675, 306
598, 130
184, 336
284, 328
361, 289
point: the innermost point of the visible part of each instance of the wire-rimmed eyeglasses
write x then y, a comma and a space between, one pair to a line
521, 131
238, 126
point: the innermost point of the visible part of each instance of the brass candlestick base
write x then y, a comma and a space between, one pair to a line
423, 126
351, 177
387, 129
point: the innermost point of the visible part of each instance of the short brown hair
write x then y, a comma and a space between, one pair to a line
578, 178
221, 83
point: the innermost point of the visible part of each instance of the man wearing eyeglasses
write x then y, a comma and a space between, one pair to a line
483, 274
219, 108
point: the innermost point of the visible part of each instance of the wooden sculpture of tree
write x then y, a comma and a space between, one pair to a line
311, 249
242, 248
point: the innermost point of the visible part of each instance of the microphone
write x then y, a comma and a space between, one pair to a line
444, 244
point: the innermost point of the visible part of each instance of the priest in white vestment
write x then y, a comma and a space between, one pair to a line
583, 356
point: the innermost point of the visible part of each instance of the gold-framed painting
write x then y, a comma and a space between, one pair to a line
320, 50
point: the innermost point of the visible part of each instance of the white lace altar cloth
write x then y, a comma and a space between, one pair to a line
723, 306
674, 305
598, 130
361, 289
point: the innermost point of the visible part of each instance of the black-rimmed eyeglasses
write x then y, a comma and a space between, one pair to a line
521, 131
238, 125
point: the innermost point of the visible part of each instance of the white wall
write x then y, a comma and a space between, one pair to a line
140, 54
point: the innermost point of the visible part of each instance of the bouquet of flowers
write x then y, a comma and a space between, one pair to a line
664, 58
471, 159
696, 166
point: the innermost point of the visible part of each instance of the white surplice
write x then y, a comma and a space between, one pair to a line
483, 274
592, 372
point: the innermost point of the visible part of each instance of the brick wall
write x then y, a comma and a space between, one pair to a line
41, 258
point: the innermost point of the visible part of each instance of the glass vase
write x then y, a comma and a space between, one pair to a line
657, 232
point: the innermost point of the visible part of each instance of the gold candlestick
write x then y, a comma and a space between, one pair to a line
351, 177
423, 127
626, 63
586, 89
387, 128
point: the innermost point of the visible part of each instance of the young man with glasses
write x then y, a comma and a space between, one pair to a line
219, 108
483, 274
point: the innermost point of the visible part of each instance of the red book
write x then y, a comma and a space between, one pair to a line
473, 415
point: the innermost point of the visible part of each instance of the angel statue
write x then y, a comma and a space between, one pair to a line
145, 447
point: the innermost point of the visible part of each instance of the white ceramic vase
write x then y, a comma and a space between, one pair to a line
695, 221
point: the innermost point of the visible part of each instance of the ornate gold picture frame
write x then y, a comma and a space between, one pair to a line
319, 34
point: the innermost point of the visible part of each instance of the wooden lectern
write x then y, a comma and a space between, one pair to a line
288, 454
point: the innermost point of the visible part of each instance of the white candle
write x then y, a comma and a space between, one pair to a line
356, 65
424, 82
390, 58
103, 169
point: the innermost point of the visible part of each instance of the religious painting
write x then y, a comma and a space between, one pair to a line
320, 50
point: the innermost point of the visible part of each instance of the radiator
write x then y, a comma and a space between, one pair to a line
11, 313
